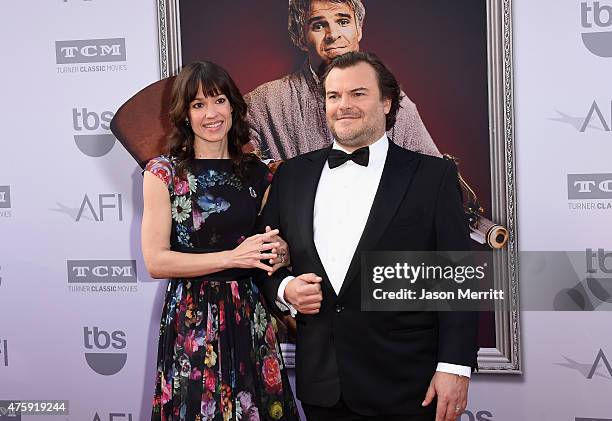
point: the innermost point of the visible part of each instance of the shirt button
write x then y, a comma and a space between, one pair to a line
339, 308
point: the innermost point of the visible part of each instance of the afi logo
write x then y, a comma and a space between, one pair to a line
596, 20
600, 359
105, 201
104, 363
589, 186
113, 416
589, 370
90, 51
595, 111
93, 144
102, 271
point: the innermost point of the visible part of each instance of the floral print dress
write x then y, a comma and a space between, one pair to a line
218, 355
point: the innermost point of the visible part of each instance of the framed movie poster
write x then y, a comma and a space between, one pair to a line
453, 60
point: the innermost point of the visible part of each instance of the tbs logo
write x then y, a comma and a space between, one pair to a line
103, 357
596, 19
94, 144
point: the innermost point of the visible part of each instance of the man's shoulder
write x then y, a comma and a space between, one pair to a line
298, 162
433, 163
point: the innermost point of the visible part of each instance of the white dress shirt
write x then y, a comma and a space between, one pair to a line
342, 205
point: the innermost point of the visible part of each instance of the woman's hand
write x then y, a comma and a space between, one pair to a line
283, 258
253, 249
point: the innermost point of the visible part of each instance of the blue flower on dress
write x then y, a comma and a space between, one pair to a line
182, 235
214, 178
211, 204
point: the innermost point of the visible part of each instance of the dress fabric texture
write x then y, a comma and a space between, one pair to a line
218, 355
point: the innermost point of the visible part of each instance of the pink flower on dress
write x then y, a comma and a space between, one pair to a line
181, 187
196, 374
234, 287
210, 381
272, 375
249, 411
191, 345
270, 336
208, 409
197, 218
166, 391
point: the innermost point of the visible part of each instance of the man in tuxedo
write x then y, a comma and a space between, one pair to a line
364, 193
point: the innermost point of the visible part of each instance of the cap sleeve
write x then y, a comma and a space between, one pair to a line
162, 168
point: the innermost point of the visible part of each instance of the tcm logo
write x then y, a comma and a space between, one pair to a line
90, 51
113, 416
101, 141
99, 342
4, 353
95, 208
596, 20
476, 416
589, 186
102, 271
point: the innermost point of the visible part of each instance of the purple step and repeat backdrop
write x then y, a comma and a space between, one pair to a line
78, 312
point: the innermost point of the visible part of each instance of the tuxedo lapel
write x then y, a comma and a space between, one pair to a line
305, 207
396, 177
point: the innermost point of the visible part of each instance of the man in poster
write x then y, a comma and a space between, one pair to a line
287, 115
333, 204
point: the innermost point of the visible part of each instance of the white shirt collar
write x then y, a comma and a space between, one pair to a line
378, 149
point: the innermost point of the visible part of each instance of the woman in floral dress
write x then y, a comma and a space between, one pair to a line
218, 356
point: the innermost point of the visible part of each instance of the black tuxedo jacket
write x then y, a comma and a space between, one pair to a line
381, 362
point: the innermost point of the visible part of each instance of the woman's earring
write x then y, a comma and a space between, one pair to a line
186, 122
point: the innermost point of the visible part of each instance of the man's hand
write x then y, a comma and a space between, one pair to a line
452, 392
304, 293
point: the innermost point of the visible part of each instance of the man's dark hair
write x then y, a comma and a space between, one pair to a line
387, 84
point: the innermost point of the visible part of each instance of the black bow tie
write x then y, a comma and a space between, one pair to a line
337, 157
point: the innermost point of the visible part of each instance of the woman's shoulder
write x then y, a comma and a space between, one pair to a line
162, 167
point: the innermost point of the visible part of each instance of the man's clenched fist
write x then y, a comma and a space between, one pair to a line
304, 293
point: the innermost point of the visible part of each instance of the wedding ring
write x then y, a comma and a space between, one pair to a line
457, 408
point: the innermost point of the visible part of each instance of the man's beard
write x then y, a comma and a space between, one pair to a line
356, 138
